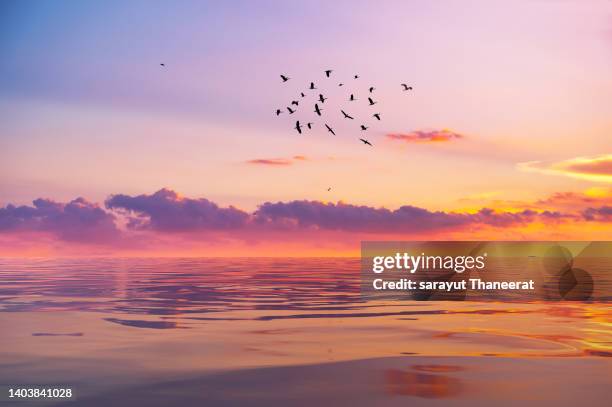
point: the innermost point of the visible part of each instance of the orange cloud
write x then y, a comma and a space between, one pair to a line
596, 168
574, 203
421, 136
577, 200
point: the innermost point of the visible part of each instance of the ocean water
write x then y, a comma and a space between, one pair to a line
261, 332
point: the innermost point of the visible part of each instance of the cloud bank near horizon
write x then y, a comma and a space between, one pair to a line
75, 221
167, 214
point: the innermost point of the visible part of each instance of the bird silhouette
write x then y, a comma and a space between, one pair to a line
372, 89
366, 142
322, 99
278, 111
291, 111
163, 65
328, 189
298, 127
317, 109
327, 72
302, 93
372, 103
330, 129
356, 76
309, 125
364, 127
377, 115
346, 116
406, 87
285, 78
295, 102
352, 98
340, 84
312, 86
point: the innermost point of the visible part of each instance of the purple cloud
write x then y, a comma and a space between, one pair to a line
406, 219
601, 214
77, 220
166, 211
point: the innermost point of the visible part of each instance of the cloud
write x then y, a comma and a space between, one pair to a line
277, 161
596, 168
77, 220
169, 223
601, 214
166, 211
406, 219
422, 136
577, 200
270, 161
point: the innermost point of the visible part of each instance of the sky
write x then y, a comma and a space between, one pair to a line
509, 112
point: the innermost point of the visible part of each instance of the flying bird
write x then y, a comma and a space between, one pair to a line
163, 65
366, 142
328, 189
346, 116
364, 127
330, 129
285, 78
295, 102
340, 84
312, 86
309, 125
317, 110
406, 87
302, 93
377, 115
327, 72
372, 103
322, 99
291, 111
298, 127
278, 111
372, 89
356, 76
352, 98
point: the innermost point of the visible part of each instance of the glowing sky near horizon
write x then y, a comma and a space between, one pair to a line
86, 110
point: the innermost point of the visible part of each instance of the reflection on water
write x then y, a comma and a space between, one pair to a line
422, 384
152, 328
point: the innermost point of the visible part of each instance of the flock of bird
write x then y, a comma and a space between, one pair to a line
293, 106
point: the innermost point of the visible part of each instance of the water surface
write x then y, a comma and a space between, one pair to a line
258, 331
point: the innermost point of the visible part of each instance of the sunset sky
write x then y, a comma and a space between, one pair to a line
507, 132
